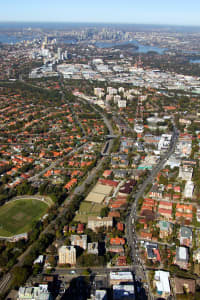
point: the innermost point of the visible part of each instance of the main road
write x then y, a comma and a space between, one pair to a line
131, 232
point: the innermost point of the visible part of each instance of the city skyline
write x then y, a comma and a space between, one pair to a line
144, 12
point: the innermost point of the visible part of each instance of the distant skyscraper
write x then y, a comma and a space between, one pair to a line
46, 40
66, 55
59, 53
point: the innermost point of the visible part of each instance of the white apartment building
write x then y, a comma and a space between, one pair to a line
67, 255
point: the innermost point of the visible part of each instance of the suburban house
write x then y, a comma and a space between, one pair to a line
185, 236
165, 209
165, 229
153, 252
185, 211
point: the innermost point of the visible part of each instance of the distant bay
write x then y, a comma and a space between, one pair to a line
30, 31
141, 48
195, 61
12, 39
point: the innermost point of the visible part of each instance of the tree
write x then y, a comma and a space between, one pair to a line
104, 212
23, 188
89, 260
20, 275
36, 269
52, 249
163, 180
52, 261
67, 241
85, 273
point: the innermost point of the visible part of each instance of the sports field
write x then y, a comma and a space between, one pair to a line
88, 209
17, 216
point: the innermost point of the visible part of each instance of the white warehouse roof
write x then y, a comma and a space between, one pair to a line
162, 281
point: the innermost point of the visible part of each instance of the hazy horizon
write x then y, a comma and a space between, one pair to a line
178, 13
9, 25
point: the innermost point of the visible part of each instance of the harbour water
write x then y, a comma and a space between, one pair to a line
195, 61
12, 39
9, 35
141, 48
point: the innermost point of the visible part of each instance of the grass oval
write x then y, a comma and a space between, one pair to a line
17, 216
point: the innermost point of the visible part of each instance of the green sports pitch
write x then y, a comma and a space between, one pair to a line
17, 216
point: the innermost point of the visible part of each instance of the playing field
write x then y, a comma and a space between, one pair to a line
88, 209
17, 216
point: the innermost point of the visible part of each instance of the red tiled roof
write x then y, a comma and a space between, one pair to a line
109, 182
117, 241
164, 203
120, 226
146, 235
165, 211
114, 214
72, 182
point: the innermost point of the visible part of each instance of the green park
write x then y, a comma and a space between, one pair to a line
18, 216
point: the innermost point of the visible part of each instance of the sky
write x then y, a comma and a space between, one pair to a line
173, 12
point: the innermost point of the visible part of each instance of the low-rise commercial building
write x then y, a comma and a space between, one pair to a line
97, 222
162, 283
117, 278
34, 293
123, 292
